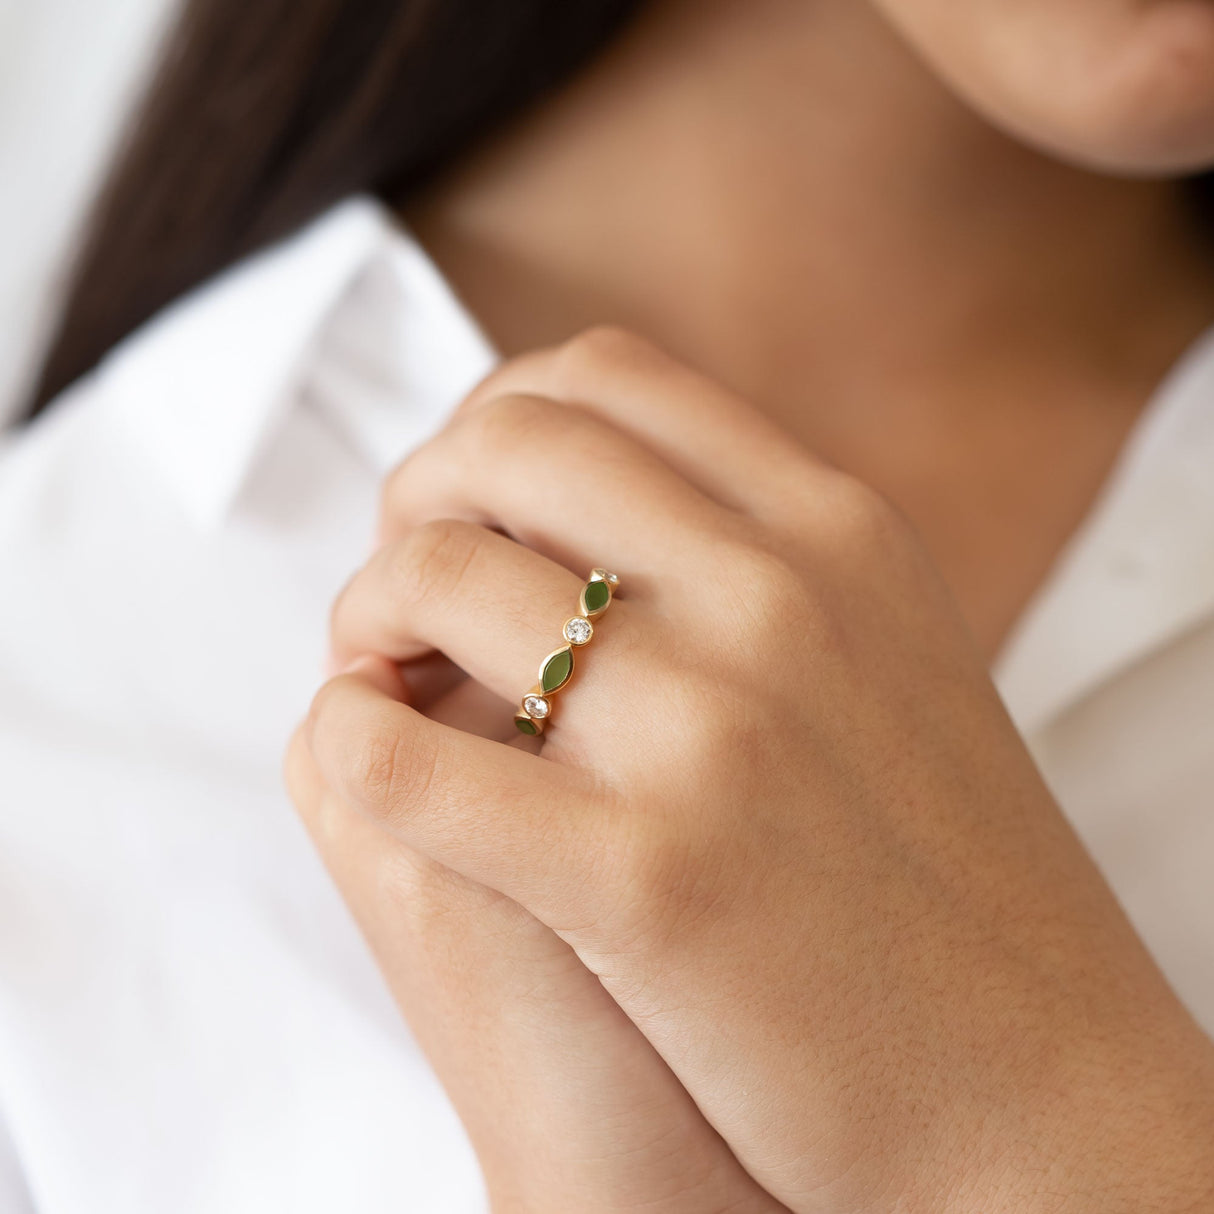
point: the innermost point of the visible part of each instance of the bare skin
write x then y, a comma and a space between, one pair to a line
781, 823
785, 197
820, 943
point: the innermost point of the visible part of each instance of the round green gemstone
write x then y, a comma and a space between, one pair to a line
530, 728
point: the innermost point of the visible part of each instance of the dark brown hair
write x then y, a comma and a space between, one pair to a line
264, 113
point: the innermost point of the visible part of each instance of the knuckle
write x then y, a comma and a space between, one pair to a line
371, 760
772, 606
861, 519
766, 588
605, 341
381, 763
386, 765
433, 559
505, 423
600, 346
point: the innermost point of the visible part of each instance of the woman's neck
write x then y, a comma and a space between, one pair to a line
783, 196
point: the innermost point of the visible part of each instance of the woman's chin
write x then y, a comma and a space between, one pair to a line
1126, 86
1150, 107
1138, 102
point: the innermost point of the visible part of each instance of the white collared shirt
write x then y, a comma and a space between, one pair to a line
189, 1022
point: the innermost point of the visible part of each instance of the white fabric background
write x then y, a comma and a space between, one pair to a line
67, 70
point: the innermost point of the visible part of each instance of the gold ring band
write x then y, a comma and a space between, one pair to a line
557, 668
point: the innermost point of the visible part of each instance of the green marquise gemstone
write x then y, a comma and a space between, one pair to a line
557, 668
595, 596
528, 727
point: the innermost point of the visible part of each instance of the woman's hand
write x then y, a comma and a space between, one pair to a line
566, 1103
780, 812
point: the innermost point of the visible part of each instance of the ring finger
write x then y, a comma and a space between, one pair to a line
494, 607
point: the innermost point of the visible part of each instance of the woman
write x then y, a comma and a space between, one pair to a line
767, 906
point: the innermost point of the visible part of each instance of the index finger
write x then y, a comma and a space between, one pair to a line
497, 814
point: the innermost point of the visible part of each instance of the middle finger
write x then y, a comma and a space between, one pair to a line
556, 479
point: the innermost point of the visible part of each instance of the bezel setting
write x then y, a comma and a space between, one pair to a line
557, 668
578, 630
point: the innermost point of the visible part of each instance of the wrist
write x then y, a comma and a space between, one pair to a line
1134, 1135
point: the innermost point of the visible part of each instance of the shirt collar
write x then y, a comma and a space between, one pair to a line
203, 387
395, 359
351, 317
1140, 570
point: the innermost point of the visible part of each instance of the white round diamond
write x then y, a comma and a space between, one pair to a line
536, 706
604, 575
578, 630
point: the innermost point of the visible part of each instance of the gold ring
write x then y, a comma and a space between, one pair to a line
557, 668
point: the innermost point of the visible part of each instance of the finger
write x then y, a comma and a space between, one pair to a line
473, 708
557, 479
443, 692
717, 440
491, 992
428, 678
305, 784
494, 607
567, 1104
498, 815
